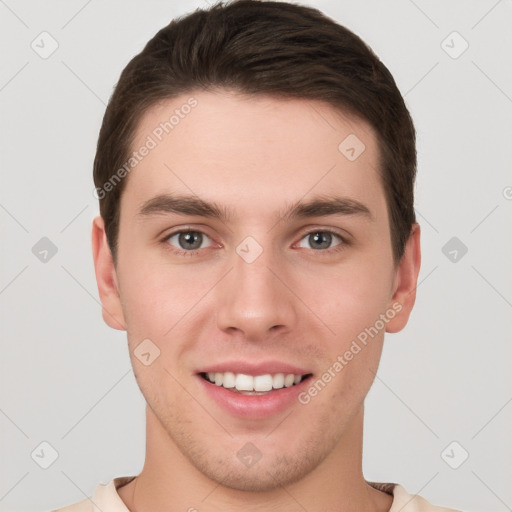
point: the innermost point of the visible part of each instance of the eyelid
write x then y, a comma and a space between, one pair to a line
185, 229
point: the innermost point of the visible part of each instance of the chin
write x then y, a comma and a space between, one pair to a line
259, 478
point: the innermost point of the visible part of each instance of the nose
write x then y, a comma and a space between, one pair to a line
253, 299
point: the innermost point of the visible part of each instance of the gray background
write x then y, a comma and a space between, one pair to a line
66, 378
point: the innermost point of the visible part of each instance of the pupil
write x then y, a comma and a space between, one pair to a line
323, 240
190, 240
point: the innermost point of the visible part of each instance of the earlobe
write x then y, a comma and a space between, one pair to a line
406, 281
106, 277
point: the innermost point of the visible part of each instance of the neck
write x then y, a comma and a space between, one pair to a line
169, 481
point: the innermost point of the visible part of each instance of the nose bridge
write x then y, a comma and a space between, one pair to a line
252, 299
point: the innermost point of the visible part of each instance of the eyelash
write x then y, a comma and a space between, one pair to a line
324, 252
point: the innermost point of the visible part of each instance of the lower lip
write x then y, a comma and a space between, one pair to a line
254, 406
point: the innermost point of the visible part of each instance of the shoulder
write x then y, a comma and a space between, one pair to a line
104, 499
405, 502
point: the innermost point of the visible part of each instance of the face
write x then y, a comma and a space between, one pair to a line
266, 252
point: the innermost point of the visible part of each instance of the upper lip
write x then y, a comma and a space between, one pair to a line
252, 368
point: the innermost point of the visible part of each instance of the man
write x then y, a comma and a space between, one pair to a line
257, 238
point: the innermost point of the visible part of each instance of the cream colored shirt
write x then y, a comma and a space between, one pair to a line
106, 499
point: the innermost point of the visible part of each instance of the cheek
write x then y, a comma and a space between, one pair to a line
145, 304
150, 288
161, 302
349, 297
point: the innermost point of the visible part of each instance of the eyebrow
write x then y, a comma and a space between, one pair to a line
192, 205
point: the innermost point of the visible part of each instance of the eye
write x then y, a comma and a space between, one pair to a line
188, 241
319, 239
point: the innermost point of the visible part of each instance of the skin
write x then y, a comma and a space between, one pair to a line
294, 303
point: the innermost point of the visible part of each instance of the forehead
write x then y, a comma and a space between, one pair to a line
252, 153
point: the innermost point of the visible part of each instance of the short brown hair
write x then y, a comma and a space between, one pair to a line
268, 48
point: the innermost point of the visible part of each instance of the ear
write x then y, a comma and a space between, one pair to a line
405, 283
106, 277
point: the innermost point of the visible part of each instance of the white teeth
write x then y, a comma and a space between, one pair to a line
244, 382
278, 381
288, 380
228, 380
259, 383
262, 382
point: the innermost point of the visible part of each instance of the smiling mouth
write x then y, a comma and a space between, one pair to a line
254, 385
